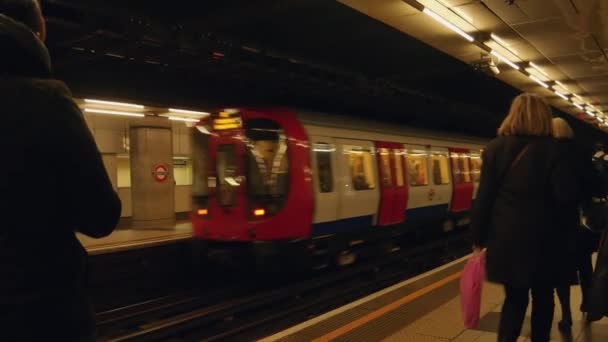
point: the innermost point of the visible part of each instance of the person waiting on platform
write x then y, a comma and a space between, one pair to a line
525, 181
54, 184
584, 241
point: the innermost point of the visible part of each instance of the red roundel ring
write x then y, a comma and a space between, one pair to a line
160, 173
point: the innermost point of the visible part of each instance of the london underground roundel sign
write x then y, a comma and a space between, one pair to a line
160, 173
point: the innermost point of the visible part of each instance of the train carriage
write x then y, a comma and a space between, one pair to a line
287, 182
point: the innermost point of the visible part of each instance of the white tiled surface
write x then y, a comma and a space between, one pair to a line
445, 323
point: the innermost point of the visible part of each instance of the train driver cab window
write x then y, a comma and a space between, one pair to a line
417, 167
323, 153
267, 165
475, 167
399, 155
227, 174
361, 168
385, 162
441, 169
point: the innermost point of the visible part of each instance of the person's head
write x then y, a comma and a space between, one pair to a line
561, 129
27, 12
529, 115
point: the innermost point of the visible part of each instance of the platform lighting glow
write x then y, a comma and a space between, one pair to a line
448, 24
113, 112
505, 60
184, 111
577, 96
590, 113
600, 120
562, 85
498, 40
561, 95
537, 80
536, 67
112, 103
578, 106
176, 118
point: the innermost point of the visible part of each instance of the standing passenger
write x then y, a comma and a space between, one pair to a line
525, 181
54, 184
584, 241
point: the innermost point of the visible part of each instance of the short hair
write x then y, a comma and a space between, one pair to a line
27, 12
529, 115
561, 129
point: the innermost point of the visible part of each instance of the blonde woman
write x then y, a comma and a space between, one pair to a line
586, 241
525, 182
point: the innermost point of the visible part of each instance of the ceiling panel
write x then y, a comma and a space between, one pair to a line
577, 66
510, 14
536, 10
553, 37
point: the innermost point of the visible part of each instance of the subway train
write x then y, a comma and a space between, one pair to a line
289, 184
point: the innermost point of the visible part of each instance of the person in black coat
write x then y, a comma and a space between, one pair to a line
584, 241
54, 184
525, 181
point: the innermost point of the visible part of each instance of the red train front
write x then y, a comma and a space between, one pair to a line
256, 183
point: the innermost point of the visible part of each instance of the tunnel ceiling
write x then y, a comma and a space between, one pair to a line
316, 54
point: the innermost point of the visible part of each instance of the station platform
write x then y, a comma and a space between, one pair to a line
127, 239
427, 309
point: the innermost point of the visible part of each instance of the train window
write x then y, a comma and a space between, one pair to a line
385, 162
398, 155
465, 168
267, 165
227, 174
475, 167
200, 176
323, 153
361, 168
417, 168
441, 172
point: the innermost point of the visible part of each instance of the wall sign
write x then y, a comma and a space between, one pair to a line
160, 173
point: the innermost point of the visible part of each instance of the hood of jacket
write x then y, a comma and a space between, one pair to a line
23, 54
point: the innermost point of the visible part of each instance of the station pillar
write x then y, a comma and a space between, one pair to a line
152, 181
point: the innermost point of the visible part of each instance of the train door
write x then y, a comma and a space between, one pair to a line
358, 180
462, 197
228, 201
393, 192
475, 171
323, 157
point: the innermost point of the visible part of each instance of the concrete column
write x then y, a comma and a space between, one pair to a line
152, 182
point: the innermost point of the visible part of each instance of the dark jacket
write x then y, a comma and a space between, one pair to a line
517, 213
53, 184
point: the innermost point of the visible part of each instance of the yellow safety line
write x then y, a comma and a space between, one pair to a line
384, 310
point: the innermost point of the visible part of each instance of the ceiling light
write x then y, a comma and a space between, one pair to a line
505, 60
498, 40
590, 113
600, 120
112, 103
184, 111
537, 80
176, 118
578, 106
578, 96
448, 24
536, 67
112, 112
561, 95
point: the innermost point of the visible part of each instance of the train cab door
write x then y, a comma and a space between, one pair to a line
228, 203
393, 191
462, 196
324, 163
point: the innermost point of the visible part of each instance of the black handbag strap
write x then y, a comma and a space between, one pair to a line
514, 162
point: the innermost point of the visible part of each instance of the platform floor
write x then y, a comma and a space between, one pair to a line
125, 239
426, 309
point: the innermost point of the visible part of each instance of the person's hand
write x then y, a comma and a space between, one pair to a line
477, 249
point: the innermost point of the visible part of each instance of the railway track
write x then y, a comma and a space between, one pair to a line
228, 314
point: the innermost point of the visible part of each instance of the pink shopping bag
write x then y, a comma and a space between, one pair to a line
471, 282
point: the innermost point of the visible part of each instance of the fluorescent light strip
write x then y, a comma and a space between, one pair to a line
577, 96
499, 40
561, 95
505, 60
112, 103
561, 85
112, 112
590, 113
175, 118
578, 106
537, 80
448, 24
538, 69
184, 111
